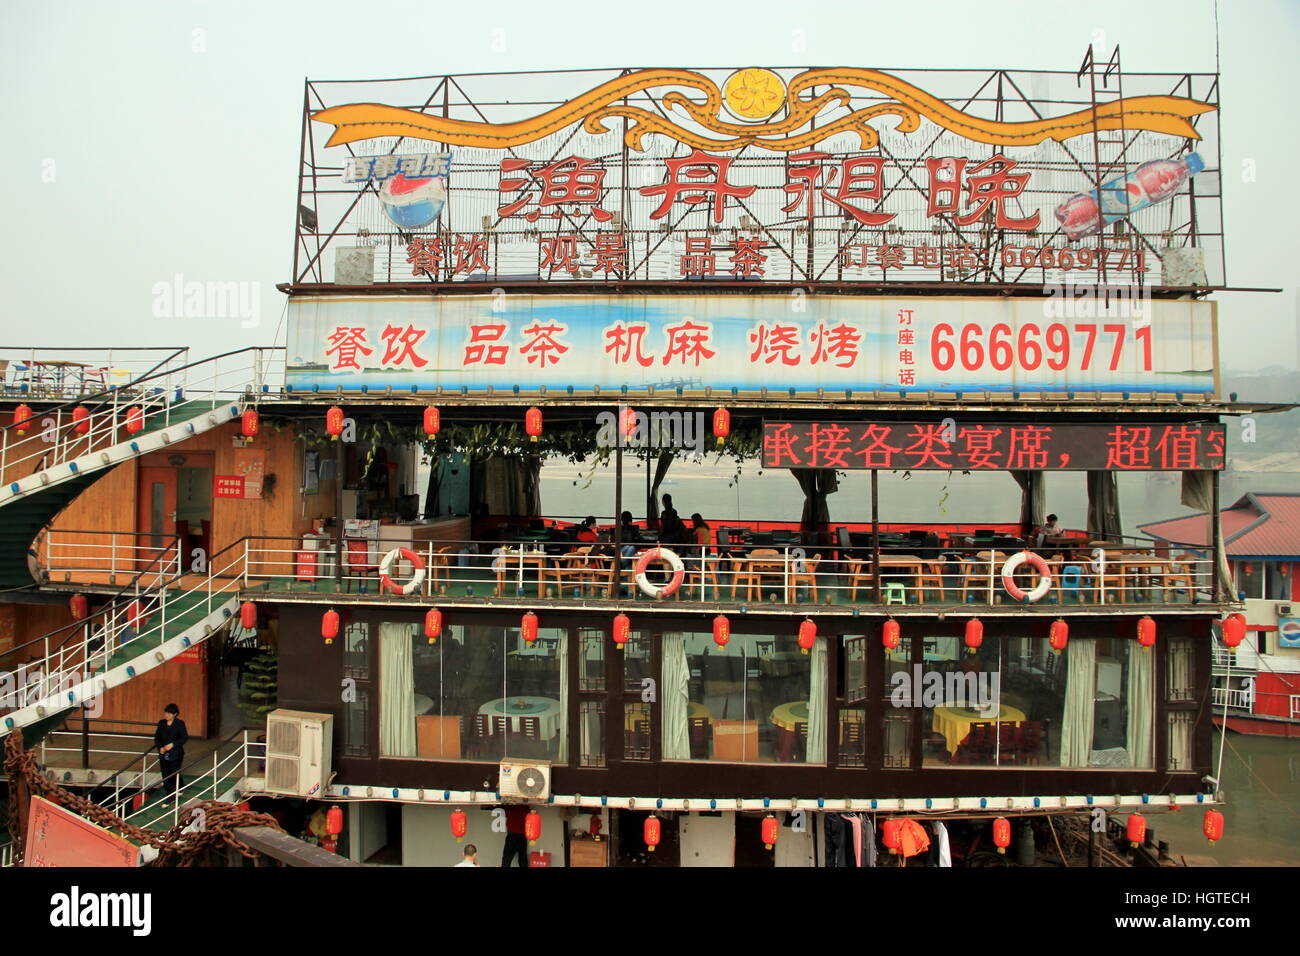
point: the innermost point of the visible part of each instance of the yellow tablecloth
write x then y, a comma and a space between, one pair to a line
954, 722
787, 715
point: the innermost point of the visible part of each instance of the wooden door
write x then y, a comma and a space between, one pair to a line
157, 516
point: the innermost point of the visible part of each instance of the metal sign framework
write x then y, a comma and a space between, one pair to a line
798, 205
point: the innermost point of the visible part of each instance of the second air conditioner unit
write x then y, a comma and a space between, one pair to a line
525, 779
298, 747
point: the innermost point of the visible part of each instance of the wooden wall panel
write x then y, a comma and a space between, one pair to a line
178, 682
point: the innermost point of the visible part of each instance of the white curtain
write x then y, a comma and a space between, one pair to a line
562, 650
675, 697
396, 691
1180, 741
1080, 699
1141, 706
817, 704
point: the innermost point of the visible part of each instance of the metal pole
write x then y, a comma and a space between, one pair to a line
875, 534
338, 516
616, 578
1216, 533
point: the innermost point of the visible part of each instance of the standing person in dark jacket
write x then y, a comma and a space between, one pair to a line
170, 738
516, 840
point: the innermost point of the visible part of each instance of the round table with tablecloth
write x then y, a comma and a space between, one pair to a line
788, 715
953, 721
545, 709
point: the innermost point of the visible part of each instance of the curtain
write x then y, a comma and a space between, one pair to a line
1141, 706
817, 484
1103, 506
509, 486
1033, 499
562, 651
817, 704
675, 697
396, 691
1080, 694
1180, 741
661, 472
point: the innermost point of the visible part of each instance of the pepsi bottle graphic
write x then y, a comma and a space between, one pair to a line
1084, 213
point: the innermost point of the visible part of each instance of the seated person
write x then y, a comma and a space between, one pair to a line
587, 530
673, 531
1049, 530
629, 532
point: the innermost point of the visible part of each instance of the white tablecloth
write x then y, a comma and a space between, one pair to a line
545, 709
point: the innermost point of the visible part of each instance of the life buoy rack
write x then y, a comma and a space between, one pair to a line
386, 582
1038, 564
675, 565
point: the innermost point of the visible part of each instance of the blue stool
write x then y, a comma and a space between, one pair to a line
1072, 580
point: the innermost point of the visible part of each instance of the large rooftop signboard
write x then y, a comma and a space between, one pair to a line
758, 175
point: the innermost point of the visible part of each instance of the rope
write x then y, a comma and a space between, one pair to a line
177, 846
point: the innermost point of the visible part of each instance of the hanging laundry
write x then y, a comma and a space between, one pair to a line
912, 838
941, 838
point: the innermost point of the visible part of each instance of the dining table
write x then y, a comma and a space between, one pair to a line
953, 721
545, 709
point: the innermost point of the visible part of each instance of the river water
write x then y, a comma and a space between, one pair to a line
1260, 775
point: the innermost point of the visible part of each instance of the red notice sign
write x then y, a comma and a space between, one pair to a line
58, 837
228, 486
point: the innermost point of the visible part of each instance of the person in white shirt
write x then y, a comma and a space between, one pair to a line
1050, 530
470, 856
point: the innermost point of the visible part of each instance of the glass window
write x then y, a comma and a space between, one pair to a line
897, 729
1179, 744
752, 701
480, 693
1178, 680
356, 723
591, 740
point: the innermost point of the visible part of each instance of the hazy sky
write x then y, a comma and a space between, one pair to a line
149, 139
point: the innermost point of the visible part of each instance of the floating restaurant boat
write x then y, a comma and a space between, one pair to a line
661, 263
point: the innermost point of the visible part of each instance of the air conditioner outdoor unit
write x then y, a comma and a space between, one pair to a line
298, 747
525, 779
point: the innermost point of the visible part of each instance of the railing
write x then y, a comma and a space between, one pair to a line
69, 373
219, 772
73, 747
54, 436
63, 552
1239, 697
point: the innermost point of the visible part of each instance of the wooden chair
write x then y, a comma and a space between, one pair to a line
977, 746
478, 744
805, 578
859, 572
975, 574
636, 742
1179, 572
760, 563
440, 562
358, 560
931, 578
851, 754
699, 575
1030, 744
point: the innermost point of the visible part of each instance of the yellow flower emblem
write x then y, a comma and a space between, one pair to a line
753, 93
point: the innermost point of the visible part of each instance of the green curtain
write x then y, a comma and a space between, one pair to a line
396, 690
674, 698
1141, 706
1080, 699
817, 703
563, 652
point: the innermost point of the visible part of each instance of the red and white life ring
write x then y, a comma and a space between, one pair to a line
386, 582
668, 557
1039, 565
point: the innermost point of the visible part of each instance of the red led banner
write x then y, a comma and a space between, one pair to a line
935, 446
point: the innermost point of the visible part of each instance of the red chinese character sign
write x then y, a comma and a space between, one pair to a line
993, 446
833, 343
843, 174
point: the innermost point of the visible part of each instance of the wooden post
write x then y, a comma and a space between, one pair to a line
616, 577
875, 534
338, 515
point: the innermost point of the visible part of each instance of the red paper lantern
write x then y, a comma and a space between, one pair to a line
1136, 829
334, 422
533, 423
622, 630
771, 830
459, 824
1213, 825
134, 420
889, 833
433, 625
79, 606
890, 635
974, 634
248, 424
248, 615
432, 422
721, 631
533, 826
22, 416
1146, 632
334, 820
807, 635
329, 625
1002, 834
653, 831
721, 424
81, 419
1059, 635
629, 421
528, 627
1234, 630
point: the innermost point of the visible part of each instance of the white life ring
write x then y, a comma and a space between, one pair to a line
1044, 580
386, 582
668, 557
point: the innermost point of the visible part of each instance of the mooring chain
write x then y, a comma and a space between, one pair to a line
178, 844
